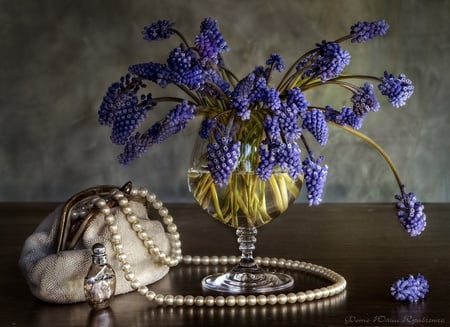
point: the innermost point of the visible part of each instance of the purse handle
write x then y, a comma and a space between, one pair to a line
68, 234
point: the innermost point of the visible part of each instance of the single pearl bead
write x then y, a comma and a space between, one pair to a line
282, 298
122, 257
232, 260
292, 298
265, 261
100, 203
230, 300
132, 218
105, 211
187, 259
118, 195
148, 243
219, 301
204, 260
272, 299
251, 300
134, 192
126, 210
189, 300
118, 247
142, 290
273, 262
261, 299
214, 260
175, 236
167, 219
223, 260
317, 294
142, 192
151, 197
155, 251
130, 276
281, 263
116, 238
168, 299
159, 299
123, 202
331, 290
301, 297
126, 268
325, 292
163, 211
176, 244
137, 227
135, 284
196, 260
178, 300
157, 204
309, 295
288, 264
241, 300
209, 301
110, 219
171, 228
113, 229
142, 235
150, 295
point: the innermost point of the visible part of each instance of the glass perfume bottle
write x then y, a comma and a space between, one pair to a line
100, 282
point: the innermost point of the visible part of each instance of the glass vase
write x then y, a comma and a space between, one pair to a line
245, 203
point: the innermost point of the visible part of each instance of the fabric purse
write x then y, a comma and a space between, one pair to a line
57, 256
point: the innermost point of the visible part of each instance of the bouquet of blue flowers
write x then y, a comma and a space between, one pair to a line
275, 120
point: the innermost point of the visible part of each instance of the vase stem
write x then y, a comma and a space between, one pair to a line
247, 239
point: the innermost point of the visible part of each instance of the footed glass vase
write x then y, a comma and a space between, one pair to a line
245, 203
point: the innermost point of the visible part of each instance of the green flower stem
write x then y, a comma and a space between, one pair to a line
276, 192
181, 36
284, 81
376, 146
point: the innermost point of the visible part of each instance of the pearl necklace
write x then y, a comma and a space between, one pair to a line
175, 257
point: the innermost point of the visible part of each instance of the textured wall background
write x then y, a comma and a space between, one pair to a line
58, 57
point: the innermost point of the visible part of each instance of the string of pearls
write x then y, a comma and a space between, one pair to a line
175, 257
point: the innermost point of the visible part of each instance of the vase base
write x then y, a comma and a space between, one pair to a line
248, 283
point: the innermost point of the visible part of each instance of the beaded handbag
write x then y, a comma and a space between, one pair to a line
57, 256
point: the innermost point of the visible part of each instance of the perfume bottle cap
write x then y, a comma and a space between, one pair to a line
99, 254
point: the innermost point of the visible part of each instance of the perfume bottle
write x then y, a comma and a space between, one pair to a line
100, 282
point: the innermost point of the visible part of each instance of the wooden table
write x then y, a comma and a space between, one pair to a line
363, 242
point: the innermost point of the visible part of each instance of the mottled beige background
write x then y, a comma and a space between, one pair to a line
58, 57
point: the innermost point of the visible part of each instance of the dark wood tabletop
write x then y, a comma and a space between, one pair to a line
363, 242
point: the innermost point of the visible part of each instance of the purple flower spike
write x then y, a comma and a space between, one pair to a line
276, 61
210, 42
128, 116
315, 178
150, 70
160, 30
241, 96
398, 90
183, 68
222, 156
410, 212
365, 100
207, 125
330, 62
410, 288
314, 121
364, 31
